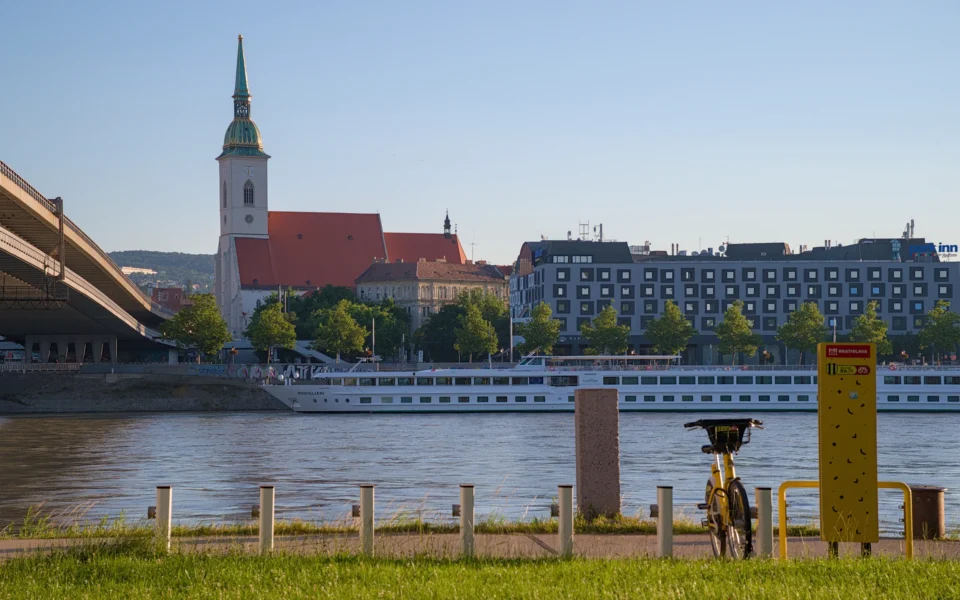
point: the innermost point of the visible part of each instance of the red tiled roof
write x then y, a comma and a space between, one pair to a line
429, 271
507, 270
411, 247
311, 249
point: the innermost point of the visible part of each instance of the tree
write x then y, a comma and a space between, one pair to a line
475, 334
735, 333
438, 336
541, 332
941, 329
604, 335
269, 328
803, 330
386, 321
492, 309
871, 329
670, 332
198, 326
338, 333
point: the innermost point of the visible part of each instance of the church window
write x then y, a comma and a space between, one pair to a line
224, 194
248, 193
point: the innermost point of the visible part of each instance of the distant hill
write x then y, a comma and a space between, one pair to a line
173, 268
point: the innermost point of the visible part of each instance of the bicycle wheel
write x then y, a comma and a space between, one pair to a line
718, 536
738, 530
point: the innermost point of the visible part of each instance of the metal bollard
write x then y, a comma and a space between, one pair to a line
665, 520
466, 519
267, 497
565, 526
764, 498
366, 518
164, 514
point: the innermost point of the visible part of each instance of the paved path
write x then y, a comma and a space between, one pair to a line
505, 546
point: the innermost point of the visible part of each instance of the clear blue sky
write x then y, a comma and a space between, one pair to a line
665, 121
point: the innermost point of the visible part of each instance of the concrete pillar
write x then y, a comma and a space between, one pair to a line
113, 350
366, 519
173, 357
62, 344
44, 350
665, 521
97, 345
80, 347
597, 426
764, 500
28, 342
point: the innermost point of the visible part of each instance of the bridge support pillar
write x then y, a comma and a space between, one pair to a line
114, 348
79, 349
44, 351
62, 350
97, 351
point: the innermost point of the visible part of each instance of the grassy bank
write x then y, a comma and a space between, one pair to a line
39, 526
133, 570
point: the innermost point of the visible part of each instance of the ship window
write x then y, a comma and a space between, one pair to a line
501, 398
931, 380
570, 398
706, 398
686, 398
783, 398
649, 398
764, 398
893, 398
668, 398
744, 379
933, 398
444, 399
425, 400
520, 381
629, 380
519, 398
539, 398
726, 398
648, 380
631, 398
801, 379
611, 380
462, 381
481, 381
536, 381
764, 380
725, 379
444, 381
803, 398
891, 379
668, 381
386, 399
406, 400
404, 380
687, 380
911, 380
951, 380
953, 398
501, 381
366, 400
745, 398
913, 398
388, 381
368, 381
709, 380
424, 380
463, 399
350, 381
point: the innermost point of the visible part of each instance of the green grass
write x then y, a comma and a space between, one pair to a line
38, 525
133, 569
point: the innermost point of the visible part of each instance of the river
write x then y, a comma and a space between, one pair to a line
85, 467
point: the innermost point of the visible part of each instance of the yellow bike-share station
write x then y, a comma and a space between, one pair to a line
847, 422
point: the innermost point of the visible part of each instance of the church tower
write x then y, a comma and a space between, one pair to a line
242, 188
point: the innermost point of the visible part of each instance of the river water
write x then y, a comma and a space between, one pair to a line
85, 467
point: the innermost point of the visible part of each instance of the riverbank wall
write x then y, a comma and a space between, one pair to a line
34, 393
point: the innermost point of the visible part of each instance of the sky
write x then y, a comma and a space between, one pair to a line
670, 122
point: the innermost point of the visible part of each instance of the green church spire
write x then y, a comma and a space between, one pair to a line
242, 137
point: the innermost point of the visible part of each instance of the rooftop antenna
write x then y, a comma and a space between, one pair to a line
472, 244
585, 231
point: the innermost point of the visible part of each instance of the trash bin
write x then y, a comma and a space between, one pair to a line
928, 514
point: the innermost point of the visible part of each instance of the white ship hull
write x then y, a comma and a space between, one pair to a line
664, 390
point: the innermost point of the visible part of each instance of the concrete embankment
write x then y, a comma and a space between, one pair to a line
25, 393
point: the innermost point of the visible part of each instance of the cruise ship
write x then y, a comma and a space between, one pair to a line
643, 383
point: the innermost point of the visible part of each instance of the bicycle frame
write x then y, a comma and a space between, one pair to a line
722, 474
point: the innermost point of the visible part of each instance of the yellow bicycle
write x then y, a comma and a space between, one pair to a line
727, 506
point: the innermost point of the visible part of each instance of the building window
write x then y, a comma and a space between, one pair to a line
728, 275
603, 274
831, 273
770, 306
687, 274
623, 275
873, 274
691, 308
650, 306
750, 274
916, 307
586, 308
667, 291
853, 275
563, 307
708, 323
898, 291
559, 290
916, 273
810, 275
586, 274
896, 306
899, 323
753, 290
856, 307
876, 290
706, 275
833, 290
793, 290
606, 291
919, 289
896, 275
832, 307
224, 194
583, 291
790, 274
708, 291
731, 291
710, 306
248, 193
941, 274
690, 290
563, 274
649, 274
944, 290
626, 291
626, 308
769, 275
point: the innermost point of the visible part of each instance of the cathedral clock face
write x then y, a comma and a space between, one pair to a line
248, 219
248, 171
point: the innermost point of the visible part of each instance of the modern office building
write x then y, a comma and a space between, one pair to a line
579, 278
